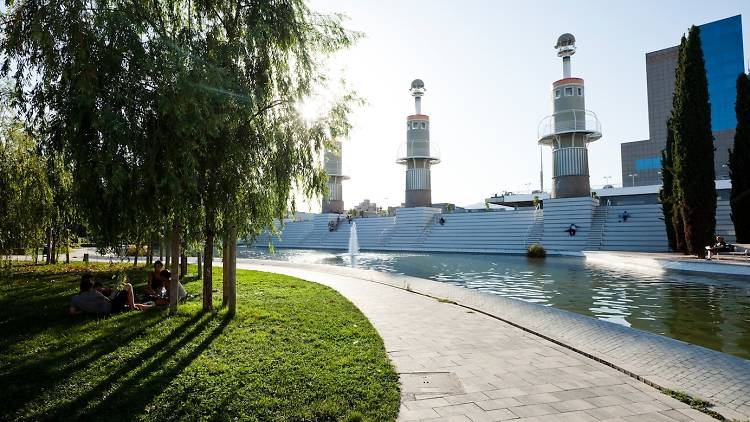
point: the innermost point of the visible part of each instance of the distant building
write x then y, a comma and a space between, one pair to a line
724, 57
366, 208
445, 207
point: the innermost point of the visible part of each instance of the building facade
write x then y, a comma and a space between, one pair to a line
723, 54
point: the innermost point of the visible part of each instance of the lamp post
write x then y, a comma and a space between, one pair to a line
632, 179
606, 180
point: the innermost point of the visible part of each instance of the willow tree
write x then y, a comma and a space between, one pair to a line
173, 112
693, 159
79, 69
263, 59
106, 86
27, 199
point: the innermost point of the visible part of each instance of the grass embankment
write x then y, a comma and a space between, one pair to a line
295, 351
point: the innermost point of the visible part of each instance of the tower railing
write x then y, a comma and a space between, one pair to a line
569, 121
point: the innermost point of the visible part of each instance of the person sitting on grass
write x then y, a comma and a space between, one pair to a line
92, 301
157, 286
181, 292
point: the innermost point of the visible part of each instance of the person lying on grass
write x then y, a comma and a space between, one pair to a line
92, 301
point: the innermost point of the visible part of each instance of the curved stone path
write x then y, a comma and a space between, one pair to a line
458, 364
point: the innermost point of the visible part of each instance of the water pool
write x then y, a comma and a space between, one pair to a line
708, 310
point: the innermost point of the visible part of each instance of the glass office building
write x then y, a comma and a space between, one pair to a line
724, 56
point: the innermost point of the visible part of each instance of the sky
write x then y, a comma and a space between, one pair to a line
488, 67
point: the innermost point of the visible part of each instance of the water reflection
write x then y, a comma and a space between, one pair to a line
712, 311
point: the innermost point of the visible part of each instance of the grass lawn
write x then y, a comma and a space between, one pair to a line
295, 351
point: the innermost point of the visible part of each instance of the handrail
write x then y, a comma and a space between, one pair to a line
532, 226
428, 227
604, 224
569, 121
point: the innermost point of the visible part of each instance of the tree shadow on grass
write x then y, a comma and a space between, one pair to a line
127, 391
46, 371
190, 279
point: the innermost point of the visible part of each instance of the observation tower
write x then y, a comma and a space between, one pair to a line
333, 203
569, 129
418, 158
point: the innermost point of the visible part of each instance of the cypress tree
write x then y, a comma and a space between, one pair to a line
693, 158
677, 226
739, 163
666, 194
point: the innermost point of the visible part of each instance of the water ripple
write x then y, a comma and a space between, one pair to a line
710, 310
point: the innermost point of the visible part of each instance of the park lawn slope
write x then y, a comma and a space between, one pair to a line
295, 351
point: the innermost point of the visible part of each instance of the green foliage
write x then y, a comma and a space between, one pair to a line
178, 113
697, 404
27, 198
693, 160
739, 163
536, 250
444, 300
294, 351
667, 191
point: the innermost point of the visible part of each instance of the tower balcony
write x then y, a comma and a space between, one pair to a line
418, 150
584, 122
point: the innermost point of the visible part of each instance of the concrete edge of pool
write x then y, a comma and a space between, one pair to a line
658, 361
636, 260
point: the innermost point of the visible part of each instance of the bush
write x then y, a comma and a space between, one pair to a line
536, 250
131, 250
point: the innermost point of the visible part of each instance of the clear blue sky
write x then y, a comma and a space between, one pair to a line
488, 67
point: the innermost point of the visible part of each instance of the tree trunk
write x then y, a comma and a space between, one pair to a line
168, 254
36, 254
679, 232
208, 276
137, 249
183, 265
231, 280
150, 259
161, 249
53, 250
199, 263
48, 259
67, 246
224, 270
174, 249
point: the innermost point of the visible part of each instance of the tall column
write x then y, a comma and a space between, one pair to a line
418, 158
569, 129
333, 202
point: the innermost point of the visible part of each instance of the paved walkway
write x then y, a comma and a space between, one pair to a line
459, 365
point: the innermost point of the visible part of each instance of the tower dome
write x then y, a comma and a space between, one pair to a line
417, 84
566, 45
565, 39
